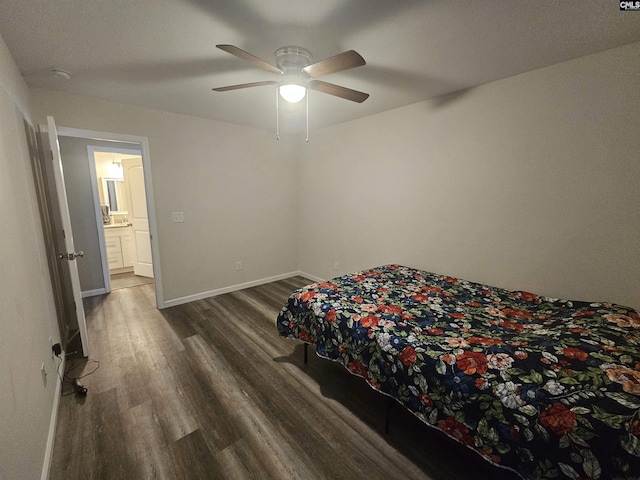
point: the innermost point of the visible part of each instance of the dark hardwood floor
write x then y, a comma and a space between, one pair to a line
208, 390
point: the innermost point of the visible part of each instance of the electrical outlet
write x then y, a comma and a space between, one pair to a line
238, 266
177, 217
336, 265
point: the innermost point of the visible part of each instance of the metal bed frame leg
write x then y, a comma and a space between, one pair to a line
392, 401
389, 407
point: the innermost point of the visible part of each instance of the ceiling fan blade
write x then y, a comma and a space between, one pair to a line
258, 62
244, 85
337, 63
338, 91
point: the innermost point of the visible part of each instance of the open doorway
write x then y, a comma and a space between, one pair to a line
90, 187
121, 215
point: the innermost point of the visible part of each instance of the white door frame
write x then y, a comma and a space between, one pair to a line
91, 150
141, 144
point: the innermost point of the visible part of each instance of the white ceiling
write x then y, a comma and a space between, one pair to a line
161, 54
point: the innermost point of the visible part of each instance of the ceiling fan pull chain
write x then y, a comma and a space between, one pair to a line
277, 115
307, 116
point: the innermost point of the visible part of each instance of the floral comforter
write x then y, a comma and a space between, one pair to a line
546, 387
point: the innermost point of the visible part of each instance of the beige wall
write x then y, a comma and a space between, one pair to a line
27, 310
235, 185
526, 183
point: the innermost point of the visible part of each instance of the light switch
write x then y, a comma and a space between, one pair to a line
177, 217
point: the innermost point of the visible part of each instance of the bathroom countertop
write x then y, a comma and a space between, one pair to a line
117, 225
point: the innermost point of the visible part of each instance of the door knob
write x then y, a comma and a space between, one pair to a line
71, 256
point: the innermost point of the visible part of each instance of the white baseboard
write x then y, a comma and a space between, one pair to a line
93, 293
232, 288
48, 453
311, 277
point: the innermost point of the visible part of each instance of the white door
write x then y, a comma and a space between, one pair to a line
70, 255
137, 214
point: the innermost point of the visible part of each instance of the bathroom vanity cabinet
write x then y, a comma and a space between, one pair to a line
120, 248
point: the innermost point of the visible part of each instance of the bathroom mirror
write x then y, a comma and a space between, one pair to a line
113, 195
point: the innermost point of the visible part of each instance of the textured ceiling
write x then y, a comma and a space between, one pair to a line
161, 54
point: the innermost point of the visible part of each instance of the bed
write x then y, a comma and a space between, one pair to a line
548, 388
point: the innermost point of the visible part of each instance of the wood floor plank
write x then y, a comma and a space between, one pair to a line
207, 401
143, 436
160, 332
277, 458
106, 456
170, 404
237, 463
191, 458
178, 319
132, 389
68, 444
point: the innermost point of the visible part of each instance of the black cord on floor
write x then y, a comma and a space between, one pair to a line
58, 370
67, 376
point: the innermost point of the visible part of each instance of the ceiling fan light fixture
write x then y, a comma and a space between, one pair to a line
292, 93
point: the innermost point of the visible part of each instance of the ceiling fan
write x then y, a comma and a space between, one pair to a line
299, 74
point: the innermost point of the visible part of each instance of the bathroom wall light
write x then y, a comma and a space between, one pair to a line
115, 169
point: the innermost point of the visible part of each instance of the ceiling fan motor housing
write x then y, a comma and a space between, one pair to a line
291, 60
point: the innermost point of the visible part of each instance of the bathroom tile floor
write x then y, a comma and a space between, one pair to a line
125, 280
